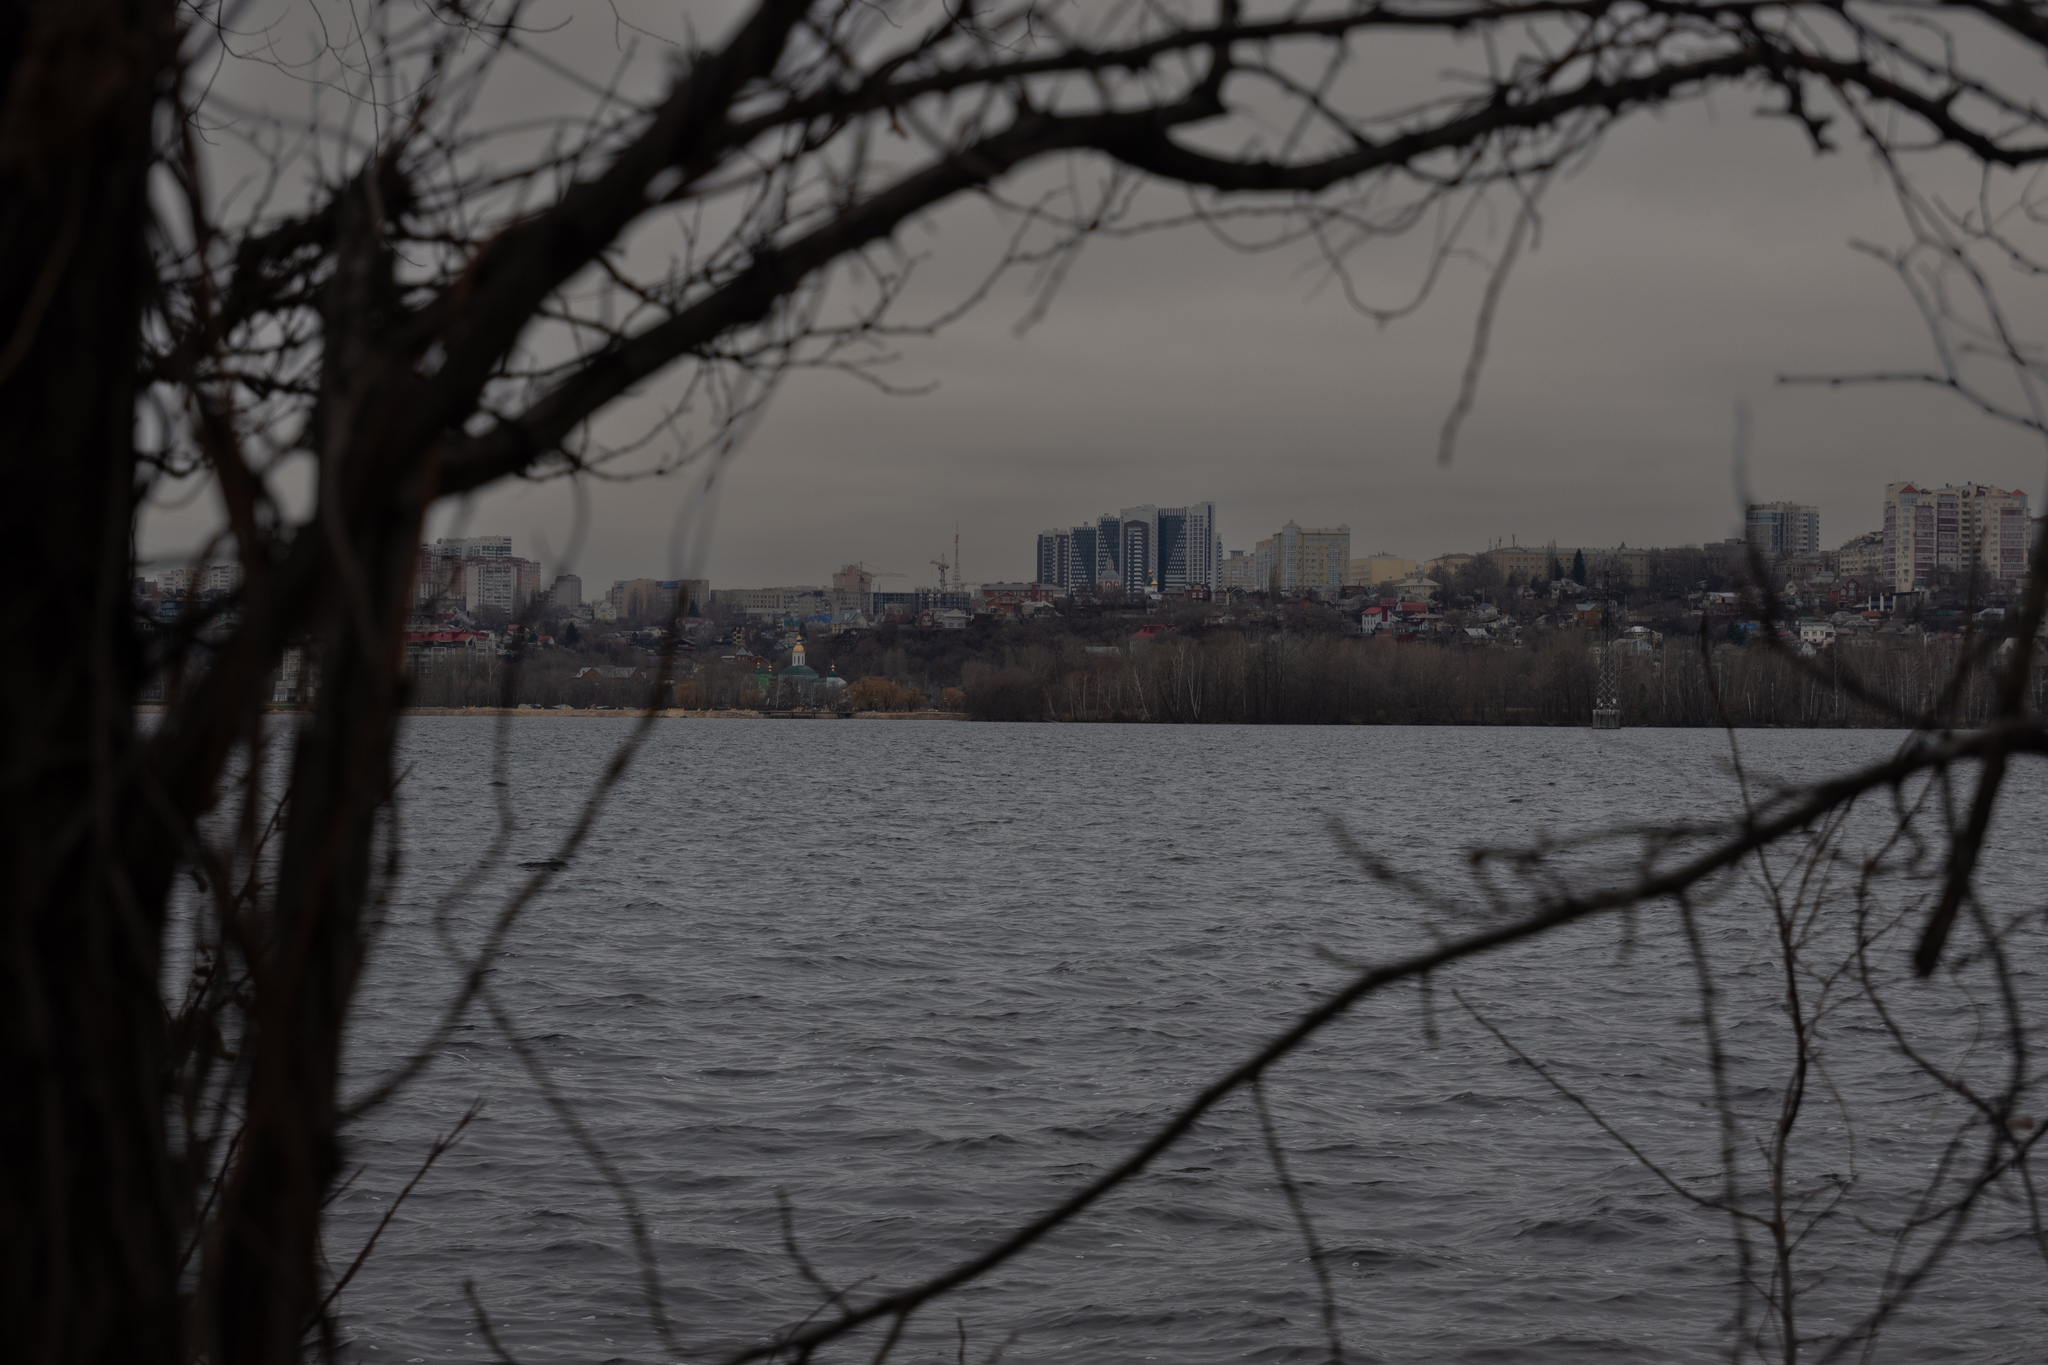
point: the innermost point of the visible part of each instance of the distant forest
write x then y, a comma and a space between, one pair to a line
1288, 667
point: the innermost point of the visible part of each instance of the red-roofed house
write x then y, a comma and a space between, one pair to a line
424, 647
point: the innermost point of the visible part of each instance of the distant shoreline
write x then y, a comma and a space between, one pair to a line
621, 713
673, 713
676, 713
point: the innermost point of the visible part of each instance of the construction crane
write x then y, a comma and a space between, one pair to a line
959, 579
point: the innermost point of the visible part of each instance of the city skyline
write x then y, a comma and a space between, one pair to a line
1606, 411
1764, 525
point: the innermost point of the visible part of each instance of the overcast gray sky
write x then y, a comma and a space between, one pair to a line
1704, 252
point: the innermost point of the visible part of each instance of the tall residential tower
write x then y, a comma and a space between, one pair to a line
1953, 528
1141, 549
1782, 528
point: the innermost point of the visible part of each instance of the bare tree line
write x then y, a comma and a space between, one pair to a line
414, 304
1308, 679
1257, 677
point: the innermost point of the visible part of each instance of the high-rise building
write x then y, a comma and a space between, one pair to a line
429, 576
1238, 573
1134, 552
1782, 528
475, 547
446, 570
567, 592
1082, 563
1185, 546
1296, 558
1142, 548
853, 589
1953, 528
1055, 552
502, 584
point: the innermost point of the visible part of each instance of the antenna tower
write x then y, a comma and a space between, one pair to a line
1606, 697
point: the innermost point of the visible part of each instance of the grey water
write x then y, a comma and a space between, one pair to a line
922, 980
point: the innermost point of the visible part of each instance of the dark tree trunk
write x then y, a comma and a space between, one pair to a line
87, 1203
265, 1271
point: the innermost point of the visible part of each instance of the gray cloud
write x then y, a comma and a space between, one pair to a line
1702, 253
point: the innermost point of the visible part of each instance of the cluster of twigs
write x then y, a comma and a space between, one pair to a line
409, 302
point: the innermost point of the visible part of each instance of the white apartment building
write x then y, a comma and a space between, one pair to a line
478, 571
1298, 558
506, 585
1954, 528
802, 600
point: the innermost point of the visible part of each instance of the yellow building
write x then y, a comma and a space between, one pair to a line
1526, 562
1445, 567
1374, 570
1862, 557
1531, 563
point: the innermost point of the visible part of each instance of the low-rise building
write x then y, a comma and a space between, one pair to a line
776, 603
1009, 599
426, 650
645, 599
1443, 566
1861, 557
1373, 570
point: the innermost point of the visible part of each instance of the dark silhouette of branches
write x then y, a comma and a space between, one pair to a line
414, 303
1510, 921
434, 1153
1298, 1206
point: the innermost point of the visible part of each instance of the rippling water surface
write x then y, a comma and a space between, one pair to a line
925, 979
